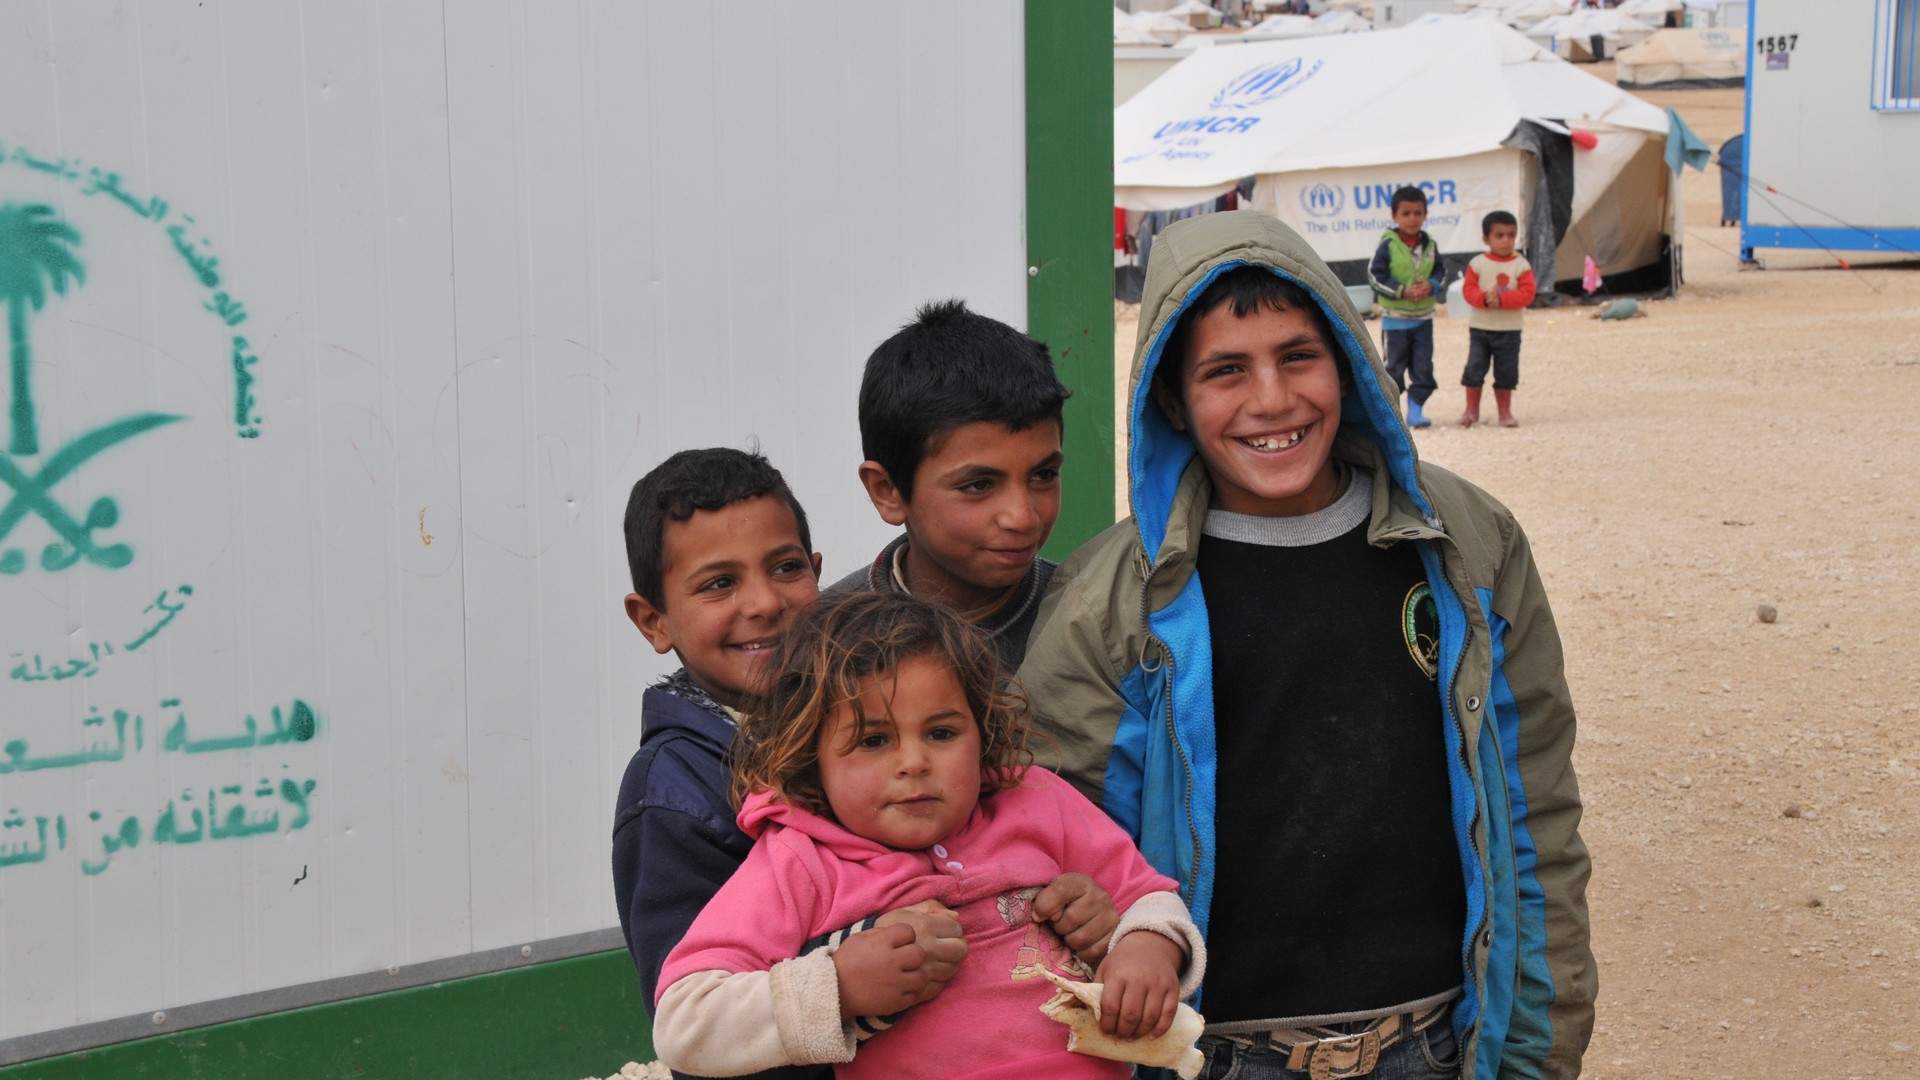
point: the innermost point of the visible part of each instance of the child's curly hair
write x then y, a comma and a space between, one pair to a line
844, 640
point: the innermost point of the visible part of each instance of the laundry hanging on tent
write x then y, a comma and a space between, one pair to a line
1144, 225
1590, 277
1683, 146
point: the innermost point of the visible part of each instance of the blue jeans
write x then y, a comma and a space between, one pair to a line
1410, 360
1433, 1054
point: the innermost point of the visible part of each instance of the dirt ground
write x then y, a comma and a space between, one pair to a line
1752, 787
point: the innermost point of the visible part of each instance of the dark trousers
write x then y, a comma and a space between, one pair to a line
1501, 348
1410, 360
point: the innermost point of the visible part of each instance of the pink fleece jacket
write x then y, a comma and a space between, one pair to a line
747, 998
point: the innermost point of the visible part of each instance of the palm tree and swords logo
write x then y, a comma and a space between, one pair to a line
37, 254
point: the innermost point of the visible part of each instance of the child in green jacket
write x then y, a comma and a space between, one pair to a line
1406, 273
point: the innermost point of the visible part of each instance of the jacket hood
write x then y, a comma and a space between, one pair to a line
663, 711
763, 811
1186, 259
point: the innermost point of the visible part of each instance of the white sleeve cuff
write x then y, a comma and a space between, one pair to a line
806, 1010
1166, 914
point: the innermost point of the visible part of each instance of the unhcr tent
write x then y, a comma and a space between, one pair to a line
1586, 36
1324, 127
1684, 58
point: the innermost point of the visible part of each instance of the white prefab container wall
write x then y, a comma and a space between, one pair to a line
1832, 151
339, 333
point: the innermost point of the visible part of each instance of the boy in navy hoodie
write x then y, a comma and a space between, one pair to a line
723, 564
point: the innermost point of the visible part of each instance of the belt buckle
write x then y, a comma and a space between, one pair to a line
1342, 1057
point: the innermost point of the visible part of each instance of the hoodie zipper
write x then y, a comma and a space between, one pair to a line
1166, 659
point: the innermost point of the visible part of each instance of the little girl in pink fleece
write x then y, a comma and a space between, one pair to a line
887, 765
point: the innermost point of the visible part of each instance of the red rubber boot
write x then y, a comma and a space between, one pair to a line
1472, 415
1504, 399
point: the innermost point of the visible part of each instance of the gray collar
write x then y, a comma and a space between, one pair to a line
1334, 520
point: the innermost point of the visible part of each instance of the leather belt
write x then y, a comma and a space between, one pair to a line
1330, 1054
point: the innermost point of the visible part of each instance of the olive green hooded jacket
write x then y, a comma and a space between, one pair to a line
1120, 671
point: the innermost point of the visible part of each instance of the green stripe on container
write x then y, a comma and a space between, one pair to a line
1070, 242
555, 1021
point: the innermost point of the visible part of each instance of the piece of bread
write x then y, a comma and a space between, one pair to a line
1077, 1005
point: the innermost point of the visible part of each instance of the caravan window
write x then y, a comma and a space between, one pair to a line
1896, 76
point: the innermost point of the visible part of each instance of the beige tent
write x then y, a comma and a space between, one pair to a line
1197, 13
1522, 14
1681, 58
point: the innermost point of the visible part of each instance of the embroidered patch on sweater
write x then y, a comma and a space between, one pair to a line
1420, 624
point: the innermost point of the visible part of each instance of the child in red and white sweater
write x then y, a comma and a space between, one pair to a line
1498, 285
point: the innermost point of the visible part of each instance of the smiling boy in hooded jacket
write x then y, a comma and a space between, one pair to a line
1319, 682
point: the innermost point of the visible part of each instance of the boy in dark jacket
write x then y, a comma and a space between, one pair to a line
722, 565
960, 420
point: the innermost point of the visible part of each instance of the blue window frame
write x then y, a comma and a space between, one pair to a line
1896, 55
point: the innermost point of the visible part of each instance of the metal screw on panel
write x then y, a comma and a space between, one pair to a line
1033, 271
159, 1018
526, 951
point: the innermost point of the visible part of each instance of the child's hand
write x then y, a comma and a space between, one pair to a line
936, 929
1420, 290
881, 971
1079, 911
1142, 977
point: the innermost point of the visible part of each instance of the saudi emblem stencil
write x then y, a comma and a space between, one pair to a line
1420, 624
42, 260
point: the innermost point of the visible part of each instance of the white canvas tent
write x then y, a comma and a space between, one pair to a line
1653, 11
1684, 57
1342, 22
1197, 13
1524, 13
1321, 124
1156, 27
1572, 36
1282, 26
1435, 18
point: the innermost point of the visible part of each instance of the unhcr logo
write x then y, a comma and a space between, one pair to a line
1264, 83
1322, 200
